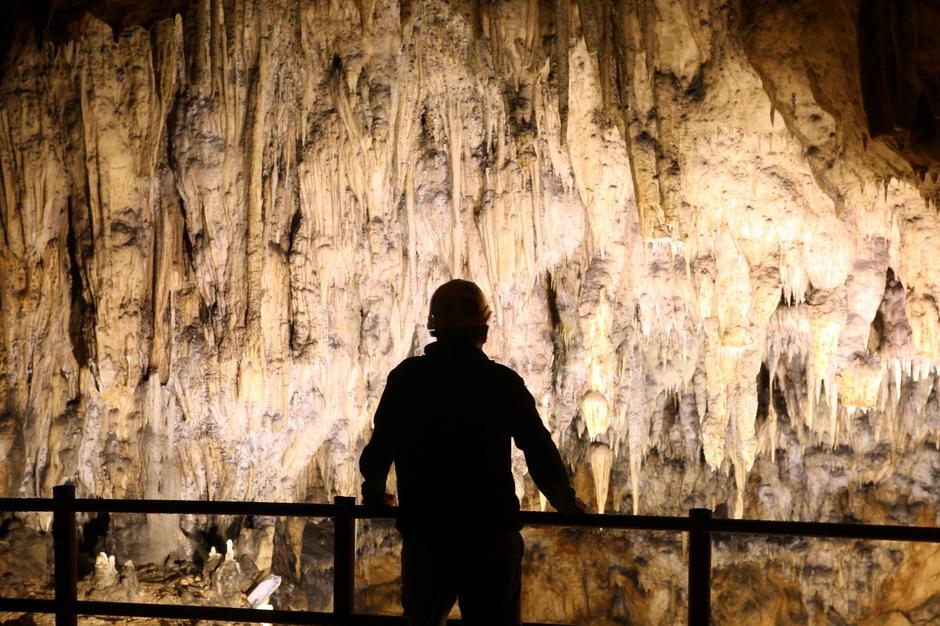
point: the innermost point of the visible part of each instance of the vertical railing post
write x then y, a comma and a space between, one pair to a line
66, 558
344, 559
700, 568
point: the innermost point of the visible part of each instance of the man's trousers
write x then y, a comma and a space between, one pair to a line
482, 573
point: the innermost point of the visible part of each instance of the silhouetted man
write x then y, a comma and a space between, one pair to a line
446, 420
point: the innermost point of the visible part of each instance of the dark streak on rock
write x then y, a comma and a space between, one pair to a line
82, 313
558, 345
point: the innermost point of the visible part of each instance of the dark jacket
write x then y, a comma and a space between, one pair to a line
445, 420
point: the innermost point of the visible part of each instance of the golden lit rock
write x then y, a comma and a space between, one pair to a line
708, 232
860, 384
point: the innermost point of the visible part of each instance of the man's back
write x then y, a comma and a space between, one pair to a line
447, 419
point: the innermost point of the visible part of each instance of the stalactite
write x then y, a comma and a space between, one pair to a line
220, 230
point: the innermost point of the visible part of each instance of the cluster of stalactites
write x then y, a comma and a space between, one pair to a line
284, 197
851, 363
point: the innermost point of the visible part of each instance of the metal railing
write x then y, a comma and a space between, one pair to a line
700, 525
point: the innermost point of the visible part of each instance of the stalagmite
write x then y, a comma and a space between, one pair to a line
106, 574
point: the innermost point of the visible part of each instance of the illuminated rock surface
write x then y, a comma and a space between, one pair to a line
707, 231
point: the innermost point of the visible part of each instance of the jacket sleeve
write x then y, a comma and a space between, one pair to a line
541, 454
376, 458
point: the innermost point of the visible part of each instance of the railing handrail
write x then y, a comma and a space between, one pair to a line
214, 613
699, 524
824, 530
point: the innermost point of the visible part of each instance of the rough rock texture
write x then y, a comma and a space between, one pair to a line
707, 229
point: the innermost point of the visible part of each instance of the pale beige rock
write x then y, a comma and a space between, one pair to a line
220, 231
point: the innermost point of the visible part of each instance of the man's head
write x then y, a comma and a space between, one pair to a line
459, 313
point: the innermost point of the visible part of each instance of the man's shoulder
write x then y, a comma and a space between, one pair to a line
420, 366
506, 374
503, 370
409, 365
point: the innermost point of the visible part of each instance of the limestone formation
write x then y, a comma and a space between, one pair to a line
707, 228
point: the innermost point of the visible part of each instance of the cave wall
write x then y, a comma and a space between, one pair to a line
708, 242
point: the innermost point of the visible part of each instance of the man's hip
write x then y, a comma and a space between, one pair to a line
483, 572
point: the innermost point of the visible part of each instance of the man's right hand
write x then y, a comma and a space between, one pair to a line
577, 508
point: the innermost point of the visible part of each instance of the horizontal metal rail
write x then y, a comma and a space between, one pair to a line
825, 530
227, 614
26, 505
700, 525
26, 605
184, 612
830, 530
